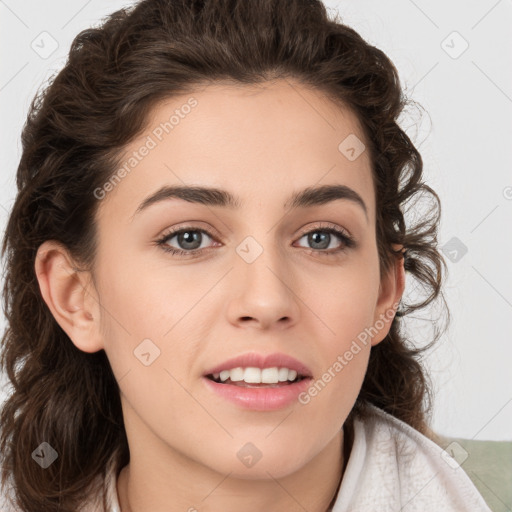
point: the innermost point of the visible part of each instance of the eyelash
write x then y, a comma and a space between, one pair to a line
347, 241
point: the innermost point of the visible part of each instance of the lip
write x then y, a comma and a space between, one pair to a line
255, 360
260, 398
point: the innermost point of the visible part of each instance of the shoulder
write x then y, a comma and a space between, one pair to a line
392, 466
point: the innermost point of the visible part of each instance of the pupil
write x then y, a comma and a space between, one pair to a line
186, 234
318, 234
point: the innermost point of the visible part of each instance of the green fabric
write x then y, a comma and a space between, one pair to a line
489, 466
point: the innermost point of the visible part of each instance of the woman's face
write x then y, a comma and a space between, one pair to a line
261, 276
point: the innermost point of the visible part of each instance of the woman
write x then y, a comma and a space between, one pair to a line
205, 263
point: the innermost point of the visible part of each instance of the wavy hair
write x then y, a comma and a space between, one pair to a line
75, 130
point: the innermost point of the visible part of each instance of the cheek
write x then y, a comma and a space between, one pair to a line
332, 394
345, 300
346, 307
147, 300
154, 315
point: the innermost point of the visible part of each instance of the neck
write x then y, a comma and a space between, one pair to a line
188, 486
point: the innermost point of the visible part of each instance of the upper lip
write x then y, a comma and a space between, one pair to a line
256, 360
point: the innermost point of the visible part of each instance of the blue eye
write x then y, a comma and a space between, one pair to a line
187, 237
326, 236
191, 238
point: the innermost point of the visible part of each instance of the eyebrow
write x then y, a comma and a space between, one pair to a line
211, 196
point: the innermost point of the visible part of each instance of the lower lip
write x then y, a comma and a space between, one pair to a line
260, 399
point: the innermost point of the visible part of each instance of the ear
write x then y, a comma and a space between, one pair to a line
390, 291
70, 296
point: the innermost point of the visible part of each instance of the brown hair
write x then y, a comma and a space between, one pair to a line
74, 133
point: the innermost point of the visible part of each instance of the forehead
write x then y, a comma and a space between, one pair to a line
258, 141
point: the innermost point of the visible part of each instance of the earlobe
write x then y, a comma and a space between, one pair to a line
69, 295
390, 292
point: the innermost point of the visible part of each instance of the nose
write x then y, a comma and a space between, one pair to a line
262, 293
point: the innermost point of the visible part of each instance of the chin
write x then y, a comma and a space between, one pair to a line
263, 471
271, 461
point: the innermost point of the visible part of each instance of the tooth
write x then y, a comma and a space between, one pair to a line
269, 376
224, 375
252, 375
236, 374
283, 374
292, 374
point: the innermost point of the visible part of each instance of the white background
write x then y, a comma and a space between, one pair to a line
464, 137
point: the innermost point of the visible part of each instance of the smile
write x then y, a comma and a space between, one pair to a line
259, 382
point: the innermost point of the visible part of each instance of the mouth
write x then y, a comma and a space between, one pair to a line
259, 382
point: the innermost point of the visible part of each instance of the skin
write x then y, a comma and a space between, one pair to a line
260, 143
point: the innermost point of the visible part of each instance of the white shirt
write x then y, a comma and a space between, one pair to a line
392, 467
